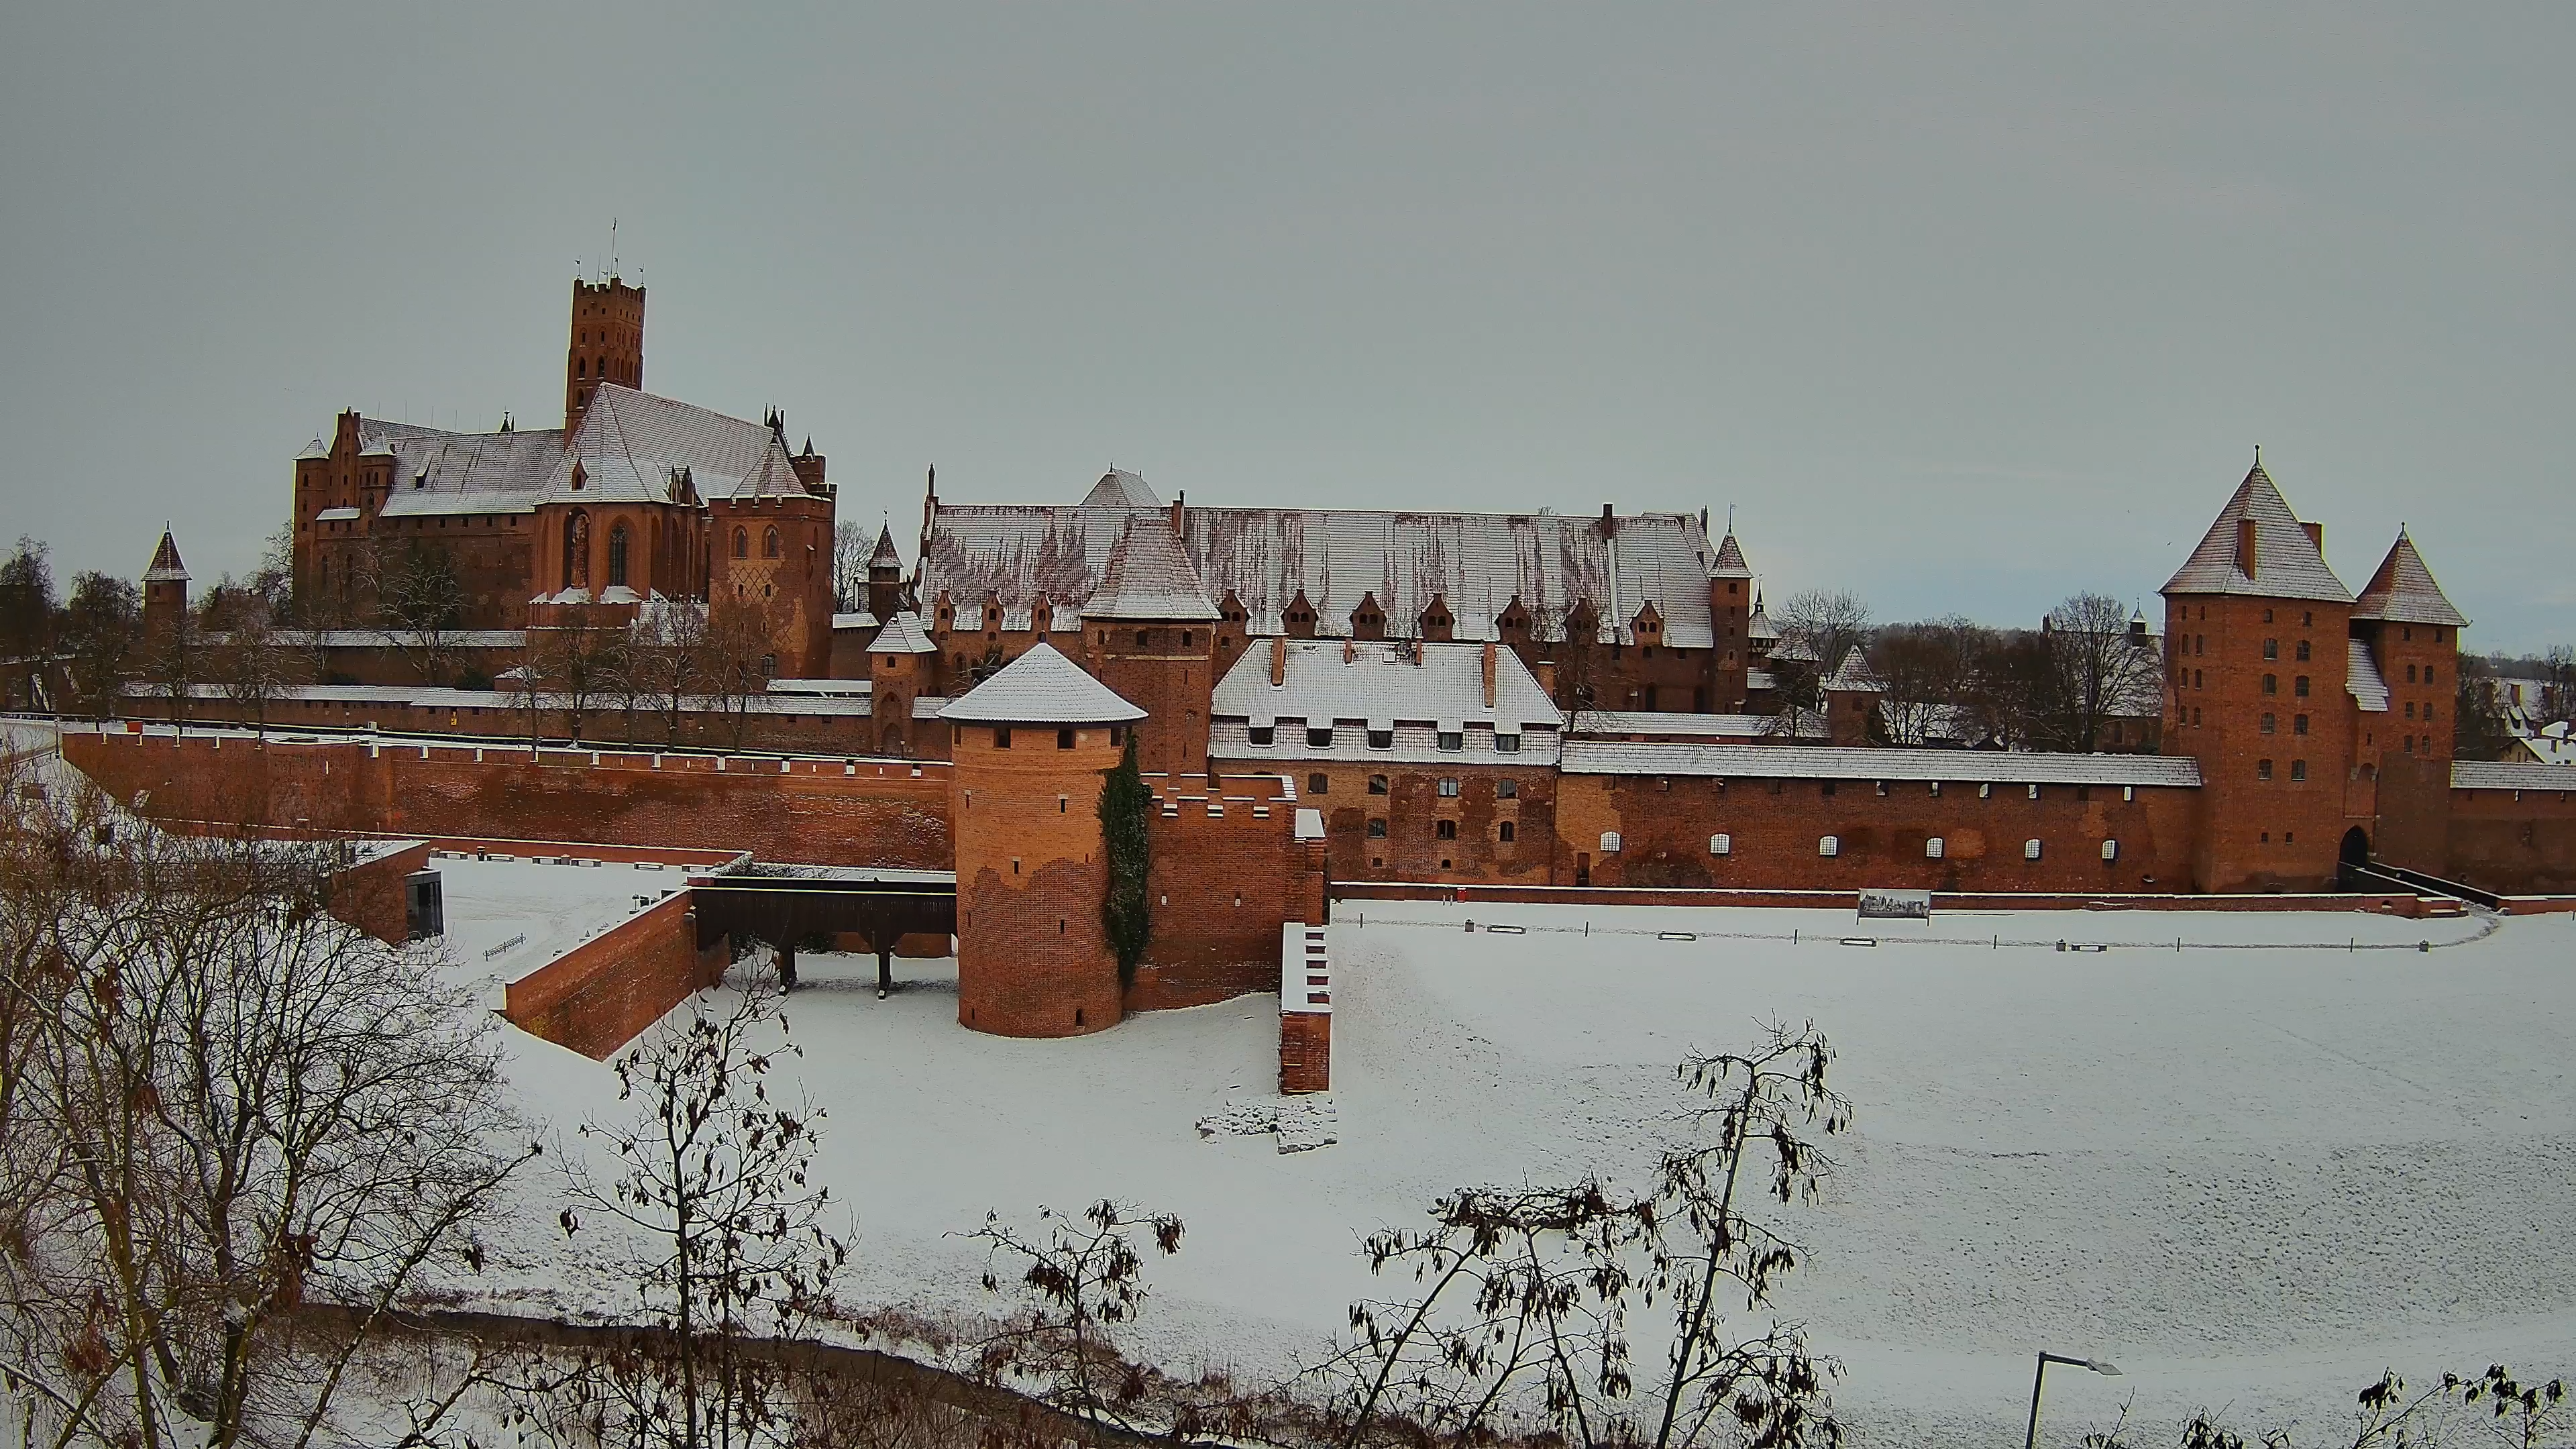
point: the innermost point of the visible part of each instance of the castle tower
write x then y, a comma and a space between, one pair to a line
2413, 634
1731, 607
606, 345
1149, 632
2257, 671
165, 588
1029, 747
1851, 694
885, 577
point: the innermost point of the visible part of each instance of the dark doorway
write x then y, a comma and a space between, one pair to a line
2356, 848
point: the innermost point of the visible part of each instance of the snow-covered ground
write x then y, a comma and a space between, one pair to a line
2253, 1171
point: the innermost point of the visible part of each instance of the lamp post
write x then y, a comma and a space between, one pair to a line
2099, 1366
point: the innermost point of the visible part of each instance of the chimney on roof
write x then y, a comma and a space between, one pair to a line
1278, 660
1489, 674
1350, 651
1181, 498
2316, 536
2245, 547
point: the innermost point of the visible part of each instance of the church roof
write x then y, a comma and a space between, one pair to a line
1148, 577
1730, 560
1041, 687
2403, 591
1477, 563
438, 472
1119, 488
630, 443
2287, 563
166, 567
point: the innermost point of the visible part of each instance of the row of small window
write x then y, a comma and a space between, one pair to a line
1064, 738
1830, 846
1503, 789
1321, 736
1505, 831
2263, 769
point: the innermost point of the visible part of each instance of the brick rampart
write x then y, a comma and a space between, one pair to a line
1775, 829
2519, 842
1849, 900
827, 812
370, 896
1227, 870
604, 992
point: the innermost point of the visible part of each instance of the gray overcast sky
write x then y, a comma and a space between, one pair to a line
1963, 310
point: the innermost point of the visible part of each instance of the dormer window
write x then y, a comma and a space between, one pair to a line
1263, 734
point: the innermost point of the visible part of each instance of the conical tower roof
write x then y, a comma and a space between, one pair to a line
166, 567
2403, 591
2287, 564
1149, 577
885, 554
1730, 560
1041, 687
1854, 676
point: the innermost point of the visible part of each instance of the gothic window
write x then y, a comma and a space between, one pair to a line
742, 543
576, 551
769, 543
617, 555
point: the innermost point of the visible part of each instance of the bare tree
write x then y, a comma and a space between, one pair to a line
573, 666
738, 661
715, 1175
1931, 671
2494, 1407
250, 662
419, 603
101, 636
1078, 1281
1527, 1296
851, 546
1817, 628
2098, 671
236, 1107
666, 662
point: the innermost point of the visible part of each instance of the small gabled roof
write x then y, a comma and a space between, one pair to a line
2403, 591
1119, 488
2287, 564
1148, 577
1853, 675
1730, 560
885, 553
1041, 687
902, 634
166, 568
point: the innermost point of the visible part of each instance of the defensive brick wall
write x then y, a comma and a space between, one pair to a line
606, 723
369, 896
1227, 870
1775, 829
826, 812
604, 992
2515, 842
2381, 903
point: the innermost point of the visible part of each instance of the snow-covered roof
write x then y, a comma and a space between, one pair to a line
166, 567
1381, 680
1795, 651
1760, 626
632, 443
1657, 725
1730, 559
1477, 563
2403, 591
854, 619
1148, 577
2362, 680
827, 688
902, 634
437, 472
1119, 488
884, 555
1853, 675
336, 515
2485, 775
1810, 762
1041, 687
2286, 562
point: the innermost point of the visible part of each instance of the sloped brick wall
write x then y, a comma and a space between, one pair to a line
604, 992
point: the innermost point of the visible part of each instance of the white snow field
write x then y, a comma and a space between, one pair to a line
2252, 1174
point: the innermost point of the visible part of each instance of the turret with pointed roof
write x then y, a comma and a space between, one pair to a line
2257, 546
2403, 591
165, 588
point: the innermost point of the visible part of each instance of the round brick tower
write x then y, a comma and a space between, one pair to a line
1029, 747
